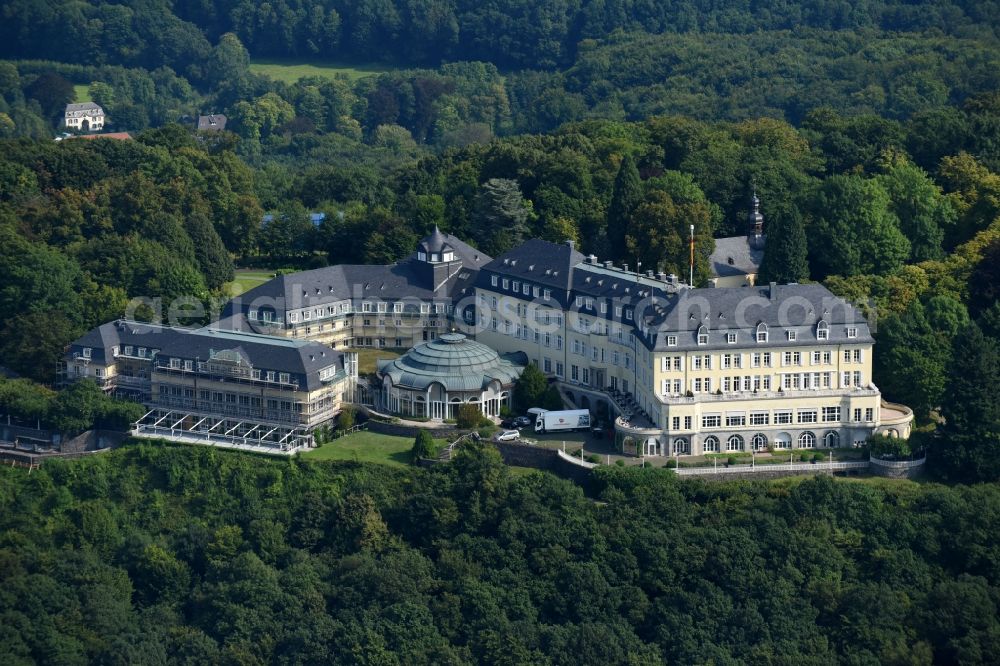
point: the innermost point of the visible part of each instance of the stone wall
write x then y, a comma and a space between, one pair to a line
537, 457
439, 432
897, 469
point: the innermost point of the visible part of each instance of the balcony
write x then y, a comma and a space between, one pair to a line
768, 395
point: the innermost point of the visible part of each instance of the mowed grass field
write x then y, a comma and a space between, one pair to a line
247, 280
290, 71
81, 93
367, 447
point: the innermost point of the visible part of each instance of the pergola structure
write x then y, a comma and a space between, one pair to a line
228, 432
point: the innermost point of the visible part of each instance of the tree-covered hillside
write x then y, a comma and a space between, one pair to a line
159, 554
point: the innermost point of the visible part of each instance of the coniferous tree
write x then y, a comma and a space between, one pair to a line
786, 253
968, 446
625, 198
501, 216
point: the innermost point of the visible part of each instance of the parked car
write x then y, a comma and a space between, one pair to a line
522, 422
509, 423
508, 436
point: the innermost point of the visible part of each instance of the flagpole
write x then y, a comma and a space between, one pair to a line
691, 278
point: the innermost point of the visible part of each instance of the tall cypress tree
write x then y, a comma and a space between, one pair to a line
968, 446
785, 255
625, 198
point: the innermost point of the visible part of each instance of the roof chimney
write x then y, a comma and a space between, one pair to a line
571, 243
773, 291
609, 264
661, 276
592, 259
649, 274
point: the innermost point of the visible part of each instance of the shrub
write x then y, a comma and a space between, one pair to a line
594, 459
423, 446
731, 460
880, 445
620, 463
671, 464
345, 420
803, 457
817, 457
468, 416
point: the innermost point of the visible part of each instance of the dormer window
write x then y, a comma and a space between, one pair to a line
494, 280
702, 335
731, 338
762, 332
86, 352
852, 332
449, 256
435, 256
421, 255
791, 335
822, 331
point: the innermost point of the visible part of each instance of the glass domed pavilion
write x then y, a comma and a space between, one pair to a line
433, 379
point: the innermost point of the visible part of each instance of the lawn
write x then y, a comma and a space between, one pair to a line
290, 71
247, 280
367, 447
81, 93
367, 358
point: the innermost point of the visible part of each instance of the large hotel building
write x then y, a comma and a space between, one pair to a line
678, 370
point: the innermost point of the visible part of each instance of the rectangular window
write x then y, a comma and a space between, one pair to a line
283, 377
676, 422
731, 338
687, 422
822, 334
782, 417
547, 364
671, 340
188, 365
546, 295
711, 421
735, 419
791, 336
869, 414
807, 416
703, 338
758, 418
175, 363
493, 280
761, 336
857, 356
516, 286
559, 369
847, 356
831, 414
767, 359
852, 332
574, 373
506, 284
857, 415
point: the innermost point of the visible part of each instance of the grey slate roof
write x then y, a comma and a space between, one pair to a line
213, 121
407, 279
303, 360
84, 106
537, 261
781, 308
452, 360
735, 255
436, 242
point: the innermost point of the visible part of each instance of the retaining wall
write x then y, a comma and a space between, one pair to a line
897, 469
442, 432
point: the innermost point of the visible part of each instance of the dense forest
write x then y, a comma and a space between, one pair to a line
165, 554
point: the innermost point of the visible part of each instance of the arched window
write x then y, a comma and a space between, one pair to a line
761, 332
807, 440
759, 442
831, 440
822, 330
681, 446
782, 441
702, 335
734, 443
711, 444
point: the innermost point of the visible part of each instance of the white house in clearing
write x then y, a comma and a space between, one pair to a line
87, 117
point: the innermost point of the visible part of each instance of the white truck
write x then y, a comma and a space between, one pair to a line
566, 419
